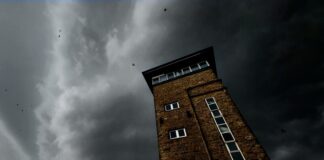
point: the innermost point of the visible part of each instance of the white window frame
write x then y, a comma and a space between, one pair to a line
175, 75
172, 106
229, 130
177, 133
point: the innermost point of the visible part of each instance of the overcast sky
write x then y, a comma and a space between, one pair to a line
69, 91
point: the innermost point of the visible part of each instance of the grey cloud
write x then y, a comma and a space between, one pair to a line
93, 104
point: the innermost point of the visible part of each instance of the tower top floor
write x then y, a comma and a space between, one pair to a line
181, 67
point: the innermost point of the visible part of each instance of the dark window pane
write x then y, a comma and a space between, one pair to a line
232, 146
210, 101
228, 137
212, 106
220, 120
223, 128
216, 113
163, 78
203, 64
175, 105
178, 73
170, 75
155, 80
181, 132
194, 67
173, 134
186, 70
237, 156
168, 107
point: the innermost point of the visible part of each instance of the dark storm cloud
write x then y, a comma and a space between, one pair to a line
94, 104
24, 46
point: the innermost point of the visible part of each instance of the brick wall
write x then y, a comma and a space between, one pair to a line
203, 140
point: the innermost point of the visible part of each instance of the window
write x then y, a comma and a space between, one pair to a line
163, 77
178, 133
186, 70
223, 128
171, 106
194, 67
178, 73
237, 156
225, 131
203, 64
155, 80
170, 75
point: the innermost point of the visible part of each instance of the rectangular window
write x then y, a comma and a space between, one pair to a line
194, 67
220, 120
232, 146
210, 101
203, 64
170, 75
186, 70
228, 137
223, 128
155, 80
171, 106
178, 73
163, 77
178, 133
237, 156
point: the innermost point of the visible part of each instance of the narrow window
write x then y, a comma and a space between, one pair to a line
225, 131
177, 133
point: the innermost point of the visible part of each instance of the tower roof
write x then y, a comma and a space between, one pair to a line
196, 57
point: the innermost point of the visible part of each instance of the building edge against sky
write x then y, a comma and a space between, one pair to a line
196, 117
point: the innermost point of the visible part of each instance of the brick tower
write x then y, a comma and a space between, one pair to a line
196, 117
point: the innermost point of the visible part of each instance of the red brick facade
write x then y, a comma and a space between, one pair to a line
203, 141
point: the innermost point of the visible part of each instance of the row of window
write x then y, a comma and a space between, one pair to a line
223, 128
186, 70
